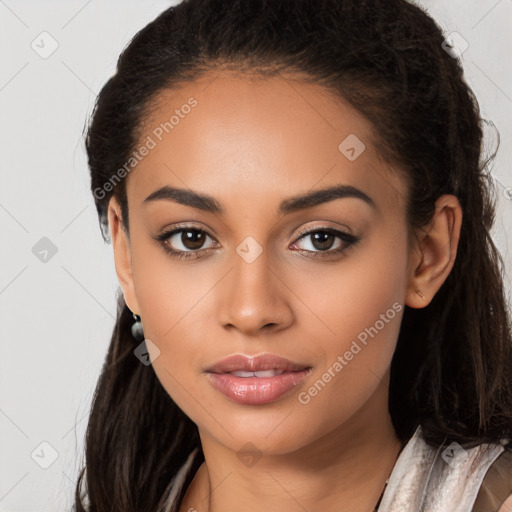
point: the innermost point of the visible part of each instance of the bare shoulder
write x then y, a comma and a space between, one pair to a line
495, 494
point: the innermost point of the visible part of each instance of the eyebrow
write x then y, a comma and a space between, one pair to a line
210, 204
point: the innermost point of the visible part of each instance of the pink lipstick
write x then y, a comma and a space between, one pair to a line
256, 380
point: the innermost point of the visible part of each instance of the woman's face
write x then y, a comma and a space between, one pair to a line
253, 282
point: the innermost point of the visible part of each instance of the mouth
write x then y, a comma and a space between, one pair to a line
260, 374
255, 365
256, 380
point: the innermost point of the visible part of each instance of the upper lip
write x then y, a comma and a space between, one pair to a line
256, 363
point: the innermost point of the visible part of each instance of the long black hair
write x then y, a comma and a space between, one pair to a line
452, 369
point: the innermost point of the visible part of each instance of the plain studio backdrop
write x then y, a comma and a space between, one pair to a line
57, 276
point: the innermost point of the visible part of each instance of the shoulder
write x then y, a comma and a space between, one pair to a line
450, 477
495, 493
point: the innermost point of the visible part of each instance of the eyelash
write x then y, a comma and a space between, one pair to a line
350, 241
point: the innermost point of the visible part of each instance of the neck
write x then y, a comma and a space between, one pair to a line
349, 465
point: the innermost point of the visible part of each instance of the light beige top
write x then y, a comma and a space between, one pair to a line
449, 479
428, 479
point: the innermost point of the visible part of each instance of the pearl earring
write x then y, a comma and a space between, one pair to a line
137, 331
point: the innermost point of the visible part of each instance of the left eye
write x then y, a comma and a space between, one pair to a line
321, 242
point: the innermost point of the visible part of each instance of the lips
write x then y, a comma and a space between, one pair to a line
255, 365
256, 380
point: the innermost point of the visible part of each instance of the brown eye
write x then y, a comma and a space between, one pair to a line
184, 242
192, 238
319, 240
322, 242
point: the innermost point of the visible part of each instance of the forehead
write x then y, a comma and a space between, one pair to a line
233, 134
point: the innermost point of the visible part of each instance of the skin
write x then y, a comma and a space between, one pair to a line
251, 144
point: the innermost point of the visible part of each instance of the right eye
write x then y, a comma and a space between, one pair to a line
191, 240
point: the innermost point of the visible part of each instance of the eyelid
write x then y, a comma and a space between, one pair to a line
183, 226
167, 233
313, 229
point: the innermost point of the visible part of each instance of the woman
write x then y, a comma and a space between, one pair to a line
300, 220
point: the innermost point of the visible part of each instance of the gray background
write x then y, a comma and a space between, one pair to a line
56, 316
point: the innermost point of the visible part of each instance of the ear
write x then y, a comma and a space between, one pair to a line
434, 252
122, 254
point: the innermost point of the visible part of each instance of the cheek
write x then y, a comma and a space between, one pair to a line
169, 292
358, 305
173, 304
344, 299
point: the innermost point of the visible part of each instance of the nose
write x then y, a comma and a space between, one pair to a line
255, 297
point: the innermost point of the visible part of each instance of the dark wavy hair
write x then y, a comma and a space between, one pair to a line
452, 369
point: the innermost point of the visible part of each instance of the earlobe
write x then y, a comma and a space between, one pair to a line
434, 255
122, 254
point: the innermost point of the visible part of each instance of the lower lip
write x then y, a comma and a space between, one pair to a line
256, 390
